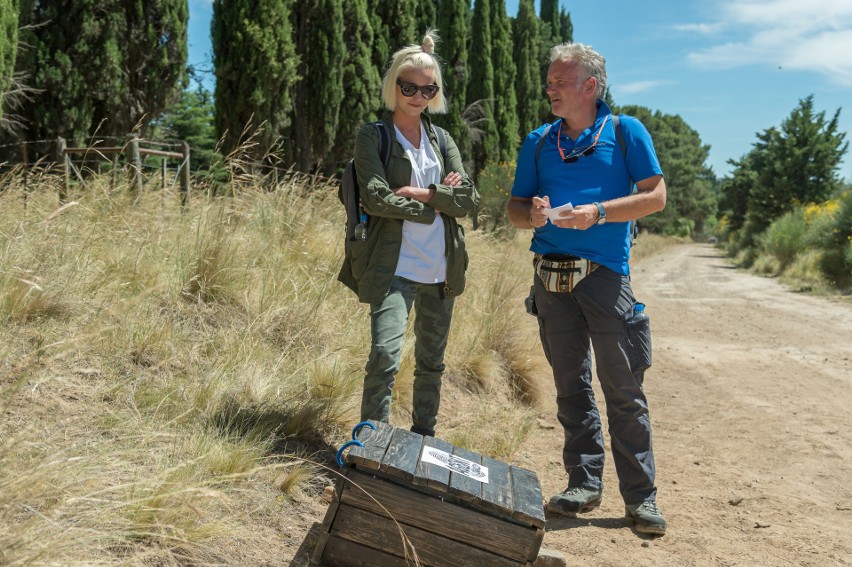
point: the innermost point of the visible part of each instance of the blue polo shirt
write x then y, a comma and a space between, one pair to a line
599, 177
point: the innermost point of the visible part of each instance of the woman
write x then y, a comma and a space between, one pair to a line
414, 251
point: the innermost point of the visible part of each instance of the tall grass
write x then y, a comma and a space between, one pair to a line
167, 372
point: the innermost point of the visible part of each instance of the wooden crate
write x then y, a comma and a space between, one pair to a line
451, 520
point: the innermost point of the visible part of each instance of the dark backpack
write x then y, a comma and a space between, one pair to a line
619, 136
349, 193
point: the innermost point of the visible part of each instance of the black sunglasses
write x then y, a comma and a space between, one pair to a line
410, 89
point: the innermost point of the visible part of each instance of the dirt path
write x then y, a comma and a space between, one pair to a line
751, 405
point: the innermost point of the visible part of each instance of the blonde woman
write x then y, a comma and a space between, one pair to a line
413, 253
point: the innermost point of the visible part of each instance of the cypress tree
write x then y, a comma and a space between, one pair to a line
426, 16
8, 46
393, 27
506, 102
528, 85
480, 89
319, 92
153, 36
100, 65
453, 18
361, 79
255, 62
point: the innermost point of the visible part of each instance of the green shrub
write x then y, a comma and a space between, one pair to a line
785, 237
495, 187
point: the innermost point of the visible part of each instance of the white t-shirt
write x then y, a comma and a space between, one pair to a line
422, 257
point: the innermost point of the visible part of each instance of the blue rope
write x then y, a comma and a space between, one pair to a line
339, 457
360, 425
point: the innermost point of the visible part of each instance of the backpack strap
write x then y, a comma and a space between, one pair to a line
384, 142
539, 146
441, 134
619, 135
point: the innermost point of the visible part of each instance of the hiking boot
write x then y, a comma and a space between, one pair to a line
573, 501
647, 517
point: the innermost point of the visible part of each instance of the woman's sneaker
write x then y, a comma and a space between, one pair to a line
573, 501
647, 517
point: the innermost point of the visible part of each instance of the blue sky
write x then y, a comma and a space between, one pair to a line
729, 68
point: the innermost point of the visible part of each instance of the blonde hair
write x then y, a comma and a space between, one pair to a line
415, 57
592, 62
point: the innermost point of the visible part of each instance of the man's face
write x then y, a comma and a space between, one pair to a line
567, 87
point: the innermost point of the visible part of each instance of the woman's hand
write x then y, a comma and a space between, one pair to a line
453, 178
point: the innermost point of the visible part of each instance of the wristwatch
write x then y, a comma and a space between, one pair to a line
601, 214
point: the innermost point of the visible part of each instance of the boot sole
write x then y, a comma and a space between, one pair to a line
650, 529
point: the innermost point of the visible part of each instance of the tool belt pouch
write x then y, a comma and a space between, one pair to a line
561, 274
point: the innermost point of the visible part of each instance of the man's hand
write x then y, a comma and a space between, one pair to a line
580, 218
538, 213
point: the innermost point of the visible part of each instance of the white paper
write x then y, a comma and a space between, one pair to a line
553, 214
455, 464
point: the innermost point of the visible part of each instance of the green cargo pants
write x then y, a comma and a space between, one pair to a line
388, 320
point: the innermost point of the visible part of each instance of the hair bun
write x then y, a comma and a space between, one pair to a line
428, 44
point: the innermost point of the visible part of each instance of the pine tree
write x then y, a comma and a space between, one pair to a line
8, 46
528, 85
453, 16
480, 89
319, 92
255, 61
361, 79
506, 102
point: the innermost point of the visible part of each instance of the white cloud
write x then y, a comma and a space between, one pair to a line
702, 29
792, 34
638, 86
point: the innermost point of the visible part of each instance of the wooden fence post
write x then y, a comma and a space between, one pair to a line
163, 169
114, 172
135, 166
61, 157
184, 175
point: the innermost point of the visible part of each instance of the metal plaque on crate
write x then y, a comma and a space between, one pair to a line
455, 464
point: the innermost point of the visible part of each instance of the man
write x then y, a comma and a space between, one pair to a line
582, 284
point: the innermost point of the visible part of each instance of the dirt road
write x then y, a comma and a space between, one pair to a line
751, 405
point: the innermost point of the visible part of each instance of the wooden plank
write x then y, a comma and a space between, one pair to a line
342, 553
498, 495
401, 457
527, 496
440, 517
430, 474
384, 534
375, 444
462, 486
330, 513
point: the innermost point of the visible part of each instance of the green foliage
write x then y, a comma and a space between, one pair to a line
836, 261
102, 66
319, 92
8, 46
393, 24
796, 164
361, 79
190, 119
784, 238
426, 16
691, 199
255, 61
506, 102
480, 89
495, 186
528, 85
453, 18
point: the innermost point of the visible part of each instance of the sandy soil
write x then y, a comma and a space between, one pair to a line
751, 405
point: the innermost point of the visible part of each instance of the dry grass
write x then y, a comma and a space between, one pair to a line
173, 381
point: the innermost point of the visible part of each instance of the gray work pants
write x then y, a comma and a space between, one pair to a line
596, 311
388, 320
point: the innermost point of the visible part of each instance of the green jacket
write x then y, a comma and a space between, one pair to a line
369, 267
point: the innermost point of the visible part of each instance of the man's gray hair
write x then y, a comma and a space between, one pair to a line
590, 60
